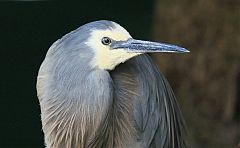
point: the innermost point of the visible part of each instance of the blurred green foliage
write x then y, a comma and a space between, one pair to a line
205, 81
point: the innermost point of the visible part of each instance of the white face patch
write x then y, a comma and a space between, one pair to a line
105, 57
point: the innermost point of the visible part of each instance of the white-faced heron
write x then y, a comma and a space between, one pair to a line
97, 89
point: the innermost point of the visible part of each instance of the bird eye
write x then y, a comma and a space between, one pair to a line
106, 41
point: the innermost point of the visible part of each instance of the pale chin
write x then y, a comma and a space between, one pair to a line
123, 60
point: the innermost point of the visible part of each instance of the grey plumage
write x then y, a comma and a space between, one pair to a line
156, 111
84, 106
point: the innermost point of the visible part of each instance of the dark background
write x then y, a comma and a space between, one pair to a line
206, 81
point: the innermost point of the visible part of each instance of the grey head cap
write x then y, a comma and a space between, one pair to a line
81, 35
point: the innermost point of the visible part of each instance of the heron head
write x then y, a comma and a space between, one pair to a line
113, 45
105, 44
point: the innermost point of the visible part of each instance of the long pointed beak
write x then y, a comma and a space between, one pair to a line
139, 46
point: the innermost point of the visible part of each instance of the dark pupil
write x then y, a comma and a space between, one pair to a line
106, 41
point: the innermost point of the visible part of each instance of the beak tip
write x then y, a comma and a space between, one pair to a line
187, 51
179, 50
184, 50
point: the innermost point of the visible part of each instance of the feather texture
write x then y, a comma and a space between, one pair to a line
157, 117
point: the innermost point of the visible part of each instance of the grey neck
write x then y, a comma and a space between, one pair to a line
74, 105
